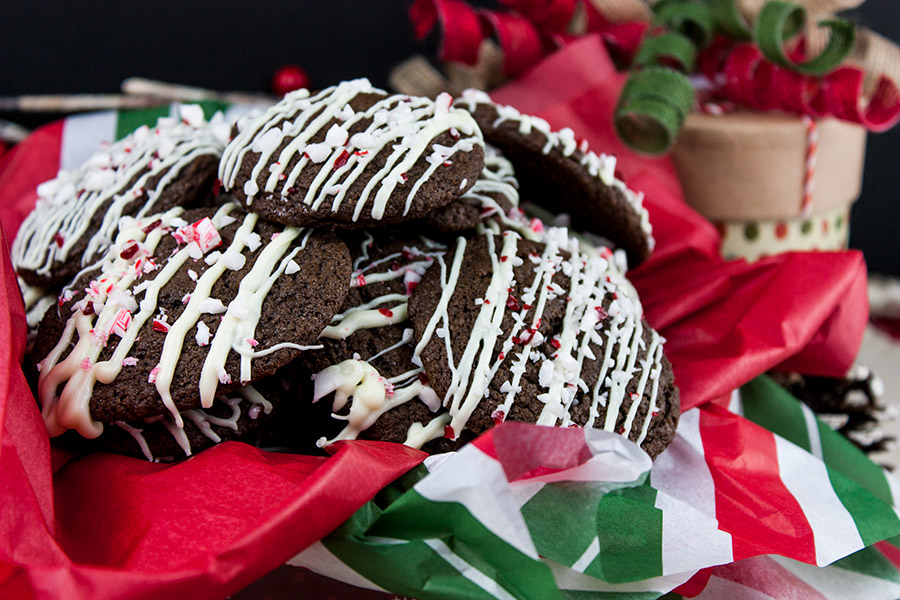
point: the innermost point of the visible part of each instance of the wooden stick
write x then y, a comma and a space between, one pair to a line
138, 86
74, 102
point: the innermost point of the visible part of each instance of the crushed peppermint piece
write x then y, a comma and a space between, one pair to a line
252, 343
336, 136
317, 153
202, 336
226, 220
212, 306
251, 240
203, 233
224, 377
85, 364
292, 267
160, 325
153, 374
192, 274
234, 261
191, 114
129, 361
251, 188
120, 323
239, 308
443, 103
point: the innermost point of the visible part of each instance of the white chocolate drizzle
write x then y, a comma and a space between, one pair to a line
586, 327
498, 179
203, 420
602, 166
67, 204
371, 394
405, 125
114, 310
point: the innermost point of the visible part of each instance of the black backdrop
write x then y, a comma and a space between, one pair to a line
77, 46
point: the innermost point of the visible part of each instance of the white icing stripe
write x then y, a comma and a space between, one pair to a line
408, 124
66, 205
203, 420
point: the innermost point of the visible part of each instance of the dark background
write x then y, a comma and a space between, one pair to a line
67, 47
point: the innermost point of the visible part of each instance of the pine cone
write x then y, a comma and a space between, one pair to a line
852, 406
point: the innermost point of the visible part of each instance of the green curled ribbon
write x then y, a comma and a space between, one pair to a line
652, 108
729, 21
666, 49
691, 19
778, 21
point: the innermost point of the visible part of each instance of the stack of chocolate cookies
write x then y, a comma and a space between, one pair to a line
367, 265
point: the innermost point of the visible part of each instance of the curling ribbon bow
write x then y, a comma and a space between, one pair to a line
532, 30
763, 66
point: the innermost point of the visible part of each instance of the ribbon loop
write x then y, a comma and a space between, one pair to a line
652, 108
779, 21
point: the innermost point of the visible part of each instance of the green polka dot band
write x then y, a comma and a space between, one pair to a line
755, 239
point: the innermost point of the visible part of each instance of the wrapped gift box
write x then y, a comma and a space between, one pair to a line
746, 171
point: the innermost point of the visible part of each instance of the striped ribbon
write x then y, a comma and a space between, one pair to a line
809, 171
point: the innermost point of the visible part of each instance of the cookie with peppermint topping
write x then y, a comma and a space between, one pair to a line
371, 337
541, 332
185, 306
149, 171
351, 156
560, 173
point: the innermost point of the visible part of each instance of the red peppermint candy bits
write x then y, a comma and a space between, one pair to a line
203, 232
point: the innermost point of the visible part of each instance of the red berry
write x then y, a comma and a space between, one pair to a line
289, 78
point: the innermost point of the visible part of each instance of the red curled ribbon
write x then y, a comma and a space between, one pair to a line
533, 30
751, 80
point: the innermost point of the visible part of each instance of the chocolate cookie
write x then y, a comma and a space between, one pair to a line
233, 416
559, 173
542, 333
351, 156
369, 341
183, 309
149, 171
